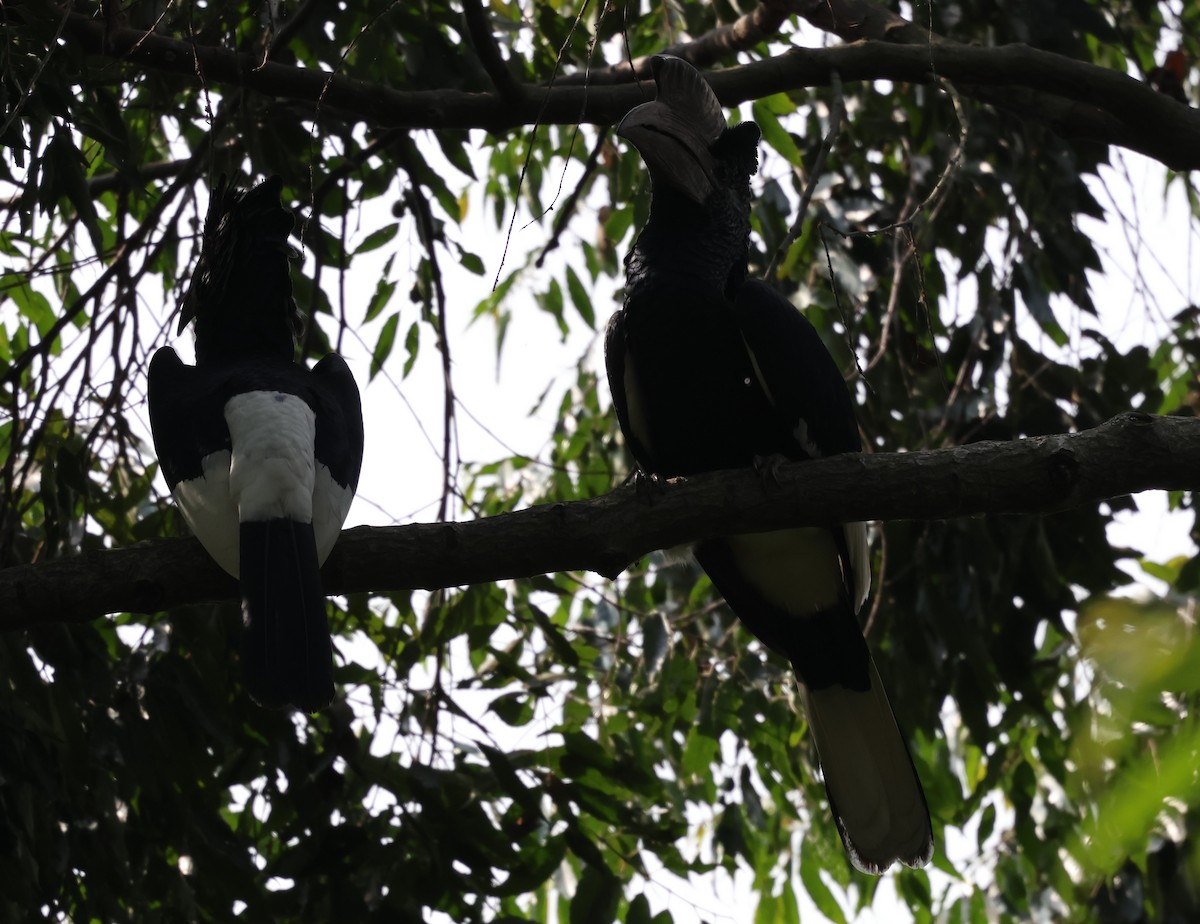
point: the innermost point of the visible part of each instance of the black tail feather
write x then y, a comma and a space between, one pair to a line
287, 653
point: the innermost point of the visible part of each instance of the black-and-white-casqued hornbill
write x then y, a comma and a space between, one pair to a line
711, 369
261, 454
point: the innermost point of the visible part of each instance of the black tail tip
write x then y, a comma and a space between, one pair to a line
273, 691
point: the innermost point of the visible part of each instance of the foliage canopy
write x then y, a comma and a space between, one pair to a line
603, 731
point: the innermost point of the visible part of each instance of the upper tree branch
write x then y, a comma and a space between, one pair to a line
759, 25
1131, 453
866, 20
1090, 102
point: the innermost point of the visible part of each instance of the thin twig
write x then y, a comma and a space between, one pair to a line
567, 212
835, 125
889, 315
427, 229
837, 300
533, 137
149, 223
933, 201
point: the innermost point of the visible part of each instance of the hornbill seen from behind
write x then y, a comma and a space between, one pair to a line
710, 369
261, 454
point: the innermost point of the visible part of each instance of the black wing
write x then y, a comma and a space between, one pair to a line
796, 371
184, 426
808, 393
615, 352
339, 443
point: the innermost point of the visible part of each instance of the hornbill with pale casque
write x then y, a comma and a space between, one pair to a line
710, 369
262, 454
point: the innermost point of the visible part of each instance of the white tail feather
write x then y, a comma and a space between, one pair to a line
873, 789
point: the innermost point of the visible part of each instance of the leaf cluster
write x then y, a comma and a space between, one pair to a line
548, 748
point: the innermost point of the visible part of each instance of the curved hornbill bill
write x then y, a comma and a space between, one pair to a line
261, 453
710, 369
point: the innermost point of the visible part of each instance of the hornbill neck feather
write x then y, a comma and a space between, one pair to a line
706, 244
241, 291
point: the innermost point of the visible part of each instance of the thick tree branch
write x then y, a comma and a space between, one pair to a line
1088, 101
1075, 98
1131, 453
866, 20
854, 20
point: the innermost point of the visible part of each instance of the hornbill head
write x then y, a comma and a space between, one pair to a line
675, 133
241, 291
684, 139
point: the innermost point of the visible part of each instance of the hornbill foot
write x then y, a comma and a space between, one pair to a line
768, 467
648, 485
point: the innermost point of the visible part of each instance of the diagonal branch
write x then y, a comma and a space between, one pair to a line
1131, 453
759, 25
153, 220
479, 28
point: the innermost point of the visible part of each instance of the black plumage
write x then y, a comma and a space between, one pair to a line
710, 369
261, 453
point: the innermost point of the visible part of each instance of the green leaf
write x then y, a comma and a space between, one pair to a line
69, 166
580, 298
554, 637
639, 911
516, 709
32, 305
377, 238
383, 346
699, 753
412, 345
818, 891
552, 303
774, 133
384, 289
471, 262
596, 898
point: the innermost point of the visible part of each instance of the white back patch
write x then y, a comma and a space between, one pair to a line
272, 471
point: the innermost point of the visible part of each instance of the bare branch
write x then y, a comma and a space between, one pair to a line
152, 221
837, 113
567, 212
855, 20
1045, 474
